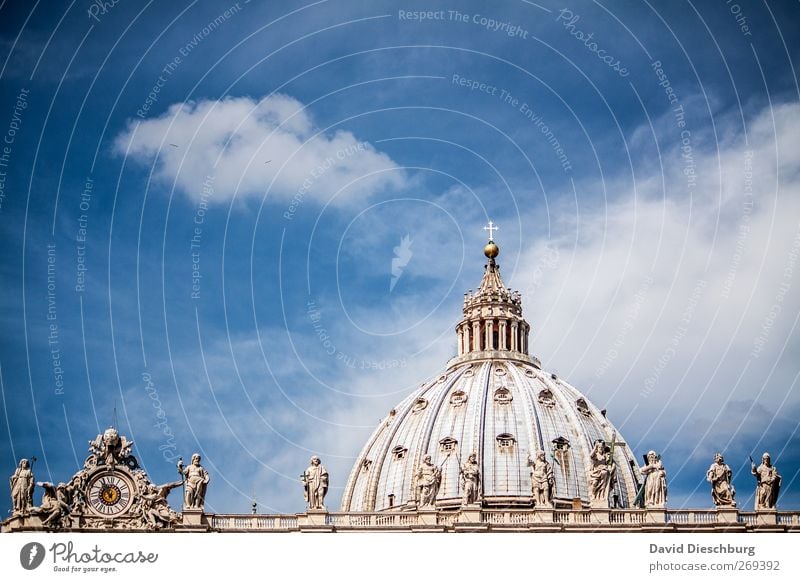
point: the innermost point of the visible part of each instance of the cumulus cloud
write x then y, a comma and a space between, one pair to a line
268, 147
672, 300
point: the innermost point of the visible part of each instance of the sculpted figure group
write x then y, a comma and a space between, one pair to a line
73, 504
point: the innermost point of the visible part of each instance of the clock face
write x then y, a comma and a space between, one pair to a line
110, 494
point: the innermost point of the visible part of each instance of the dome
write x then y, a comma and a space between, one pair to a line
493, 400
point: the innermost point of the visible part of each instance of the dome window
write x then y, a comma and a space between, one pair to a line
448, 445
503, 395
365, 465
420, 405
529, 373
583, 408
561, 444
500, 371
547, 399
442, 378
399, 453
505, 441
458, 398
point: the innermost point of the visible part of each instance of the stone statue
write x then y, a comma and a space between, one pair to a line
315, 484
602, 470
56, 504
655, 484
22, 483
471, 480
429, 476
768, 482
542, 480
110, 448
196, 479
719, 475
156, 512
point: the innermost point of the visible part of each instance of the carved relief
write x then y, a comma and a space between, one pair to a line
583, 407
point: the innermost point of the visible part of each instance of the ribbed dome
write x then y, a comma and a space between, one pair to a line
493, 400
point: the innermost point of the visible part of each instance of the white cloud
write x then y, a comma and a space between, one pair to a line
256, 148
615, 305
659, 299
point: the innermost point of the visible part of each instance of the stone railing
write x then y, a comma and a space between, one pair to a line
476, 519
470, 518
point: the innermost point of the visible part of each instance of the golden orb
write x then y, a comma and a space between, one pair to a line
491, 250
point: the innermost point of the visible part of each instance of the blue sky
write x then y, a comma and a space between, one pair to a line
201, 204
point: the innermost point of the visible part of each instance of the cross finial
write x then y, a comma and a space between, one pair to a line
491, 227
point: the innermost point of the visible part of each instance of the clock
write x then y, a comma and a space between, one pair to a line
110, 493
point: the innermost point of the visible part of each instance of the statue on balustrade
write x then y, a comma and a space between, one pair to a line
315, 484
768, 482
719, 475
655, 482
471, 480
428, 478
22, 483
602, 471
542, 480
196, 479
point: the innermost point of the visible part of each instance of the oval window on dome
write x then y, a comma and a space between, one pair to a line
458, 398
546, 398
561, 443
505, 441
420, 405
399, 453
448, 445
529, 373
583, 407
503, 395
500, 371
365, 465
